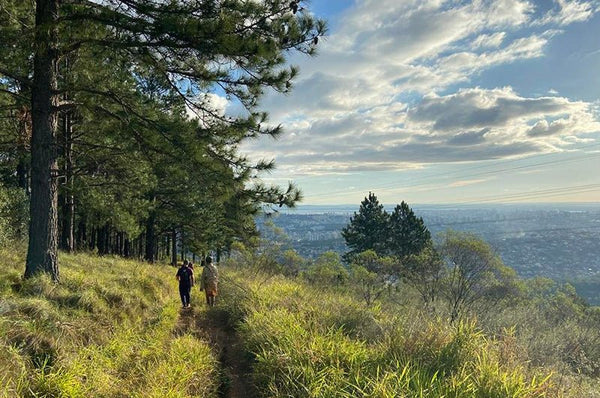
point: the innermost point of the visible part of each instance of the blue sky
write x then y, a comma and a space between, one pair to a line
433, 101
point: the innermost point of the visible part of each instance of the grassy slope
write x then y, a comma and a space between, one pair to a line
112, 328
311, 342
109, 329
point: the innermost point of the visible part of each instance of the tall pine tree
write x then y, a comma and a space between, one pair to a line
367, 228
407, 233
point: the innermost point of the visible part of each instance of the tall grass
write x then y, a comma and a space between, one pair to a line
109, 329
310, 342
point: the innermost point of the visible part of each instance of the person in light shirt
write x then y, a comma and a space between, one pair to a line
209, 281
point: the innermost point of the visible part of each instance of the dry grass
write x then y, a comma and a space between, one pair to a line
108, 329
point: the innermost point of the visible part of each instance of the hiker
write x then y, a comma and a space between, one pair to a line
209, 281
185, 276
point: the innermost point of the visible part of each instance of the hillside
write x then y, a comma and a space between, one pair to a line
113, 328
318, 340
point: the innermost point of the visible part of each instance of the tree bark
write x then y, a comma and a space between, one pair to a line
42, 252
93, 238
174, 248
69, 187
67, 238
182, 245
23, 174
150, 238
168, 246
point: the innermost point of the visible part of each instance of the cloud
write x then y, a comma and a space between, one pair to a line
567, 12
469, 138
478, 108
543, 128
470, 125
464, 183
488, 40
391, 88
212, 105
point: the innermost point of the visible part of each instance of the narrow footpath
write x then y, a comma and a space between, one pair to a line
210, 324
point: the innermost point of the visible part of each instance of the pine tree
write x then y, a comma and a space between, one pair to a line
190, 47
367, 228
407, 233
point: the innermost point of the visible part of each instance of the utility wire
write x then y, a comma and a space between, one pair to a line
390, 186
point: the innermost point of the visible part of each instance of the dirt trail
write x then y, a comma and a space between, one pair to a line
211, 325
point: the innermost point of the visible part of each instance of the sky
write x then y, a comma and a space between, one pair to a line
432, 101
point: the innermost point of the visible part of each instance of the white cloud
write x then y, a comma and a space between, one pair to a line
463, 183
213, 105
493, 40
569, 11
390, 89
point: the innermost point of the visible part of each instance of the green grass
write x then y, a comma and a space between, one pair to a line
310, 342
109, 329
113, 328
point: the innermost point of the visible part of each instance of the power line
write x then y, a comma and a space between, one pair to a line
534, 194
389, 186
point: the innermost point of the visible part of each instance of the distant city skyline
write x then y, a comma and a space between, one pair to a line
443, 102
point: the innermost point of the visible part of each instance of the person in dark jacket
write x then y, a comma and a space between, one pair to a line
185, 276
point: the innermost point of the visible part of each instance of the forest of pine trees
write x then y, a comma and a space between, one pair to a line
109, 128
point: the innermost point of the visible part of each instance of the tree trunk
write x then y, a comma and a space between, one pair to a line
67, 238
174, 248
182, 248
23, 174
93, 238
168, 246
42, 252
140, 246
81, 235
150, 238
126, 248
101, 240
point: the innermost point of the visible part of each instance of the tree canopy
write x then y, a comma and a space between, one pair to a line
367, 228
113, 132
398, 234
407, 233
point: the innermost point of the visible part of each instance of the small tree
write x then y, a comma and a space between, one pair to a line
292, 263
474, 272
272, 244
407, 233
424, 272
371, 275
367, 228
327, 270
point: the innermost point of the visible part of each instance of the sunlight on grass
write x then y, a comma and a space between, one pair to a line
312, 342
108, 329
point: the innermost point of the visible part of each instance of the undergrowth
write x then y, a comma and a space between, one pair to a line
112, 328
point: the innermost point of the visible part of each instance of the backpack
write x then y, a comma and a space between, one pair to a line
186, 276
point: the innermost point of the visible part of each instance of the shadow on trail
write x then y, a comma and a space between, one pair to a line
211, 324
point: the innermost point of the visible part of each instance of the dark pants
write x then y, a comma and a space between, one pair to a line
184, 292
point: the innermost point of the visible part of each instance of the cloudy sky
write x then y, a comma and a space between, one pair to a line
434, 101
